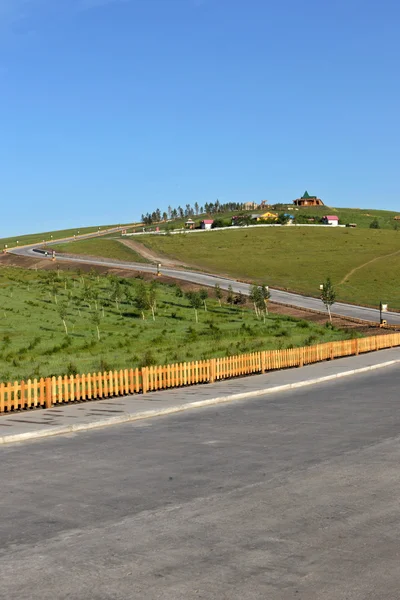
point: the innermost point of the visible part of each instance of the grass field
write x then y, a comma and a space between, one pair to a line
33, 341
297, 259
104, 247
48, 236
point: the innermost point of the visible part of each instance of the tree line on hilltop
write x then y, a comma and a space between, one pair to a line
189, 211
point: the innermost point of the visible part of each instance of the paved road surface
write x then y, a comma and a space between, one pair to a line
342, 309
295, 496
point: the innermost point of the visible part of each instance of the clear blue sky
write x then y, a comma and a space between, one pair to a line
111, 108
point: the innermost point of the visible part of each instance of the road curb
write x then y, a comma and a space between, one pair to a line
148, 414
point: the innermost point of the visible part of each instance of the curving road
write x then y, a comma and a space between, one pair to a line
288, 298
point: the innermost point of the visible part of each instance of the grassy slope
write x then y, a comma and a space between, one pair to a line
33, 343
104, 247
33, 238
296, 258
362, 217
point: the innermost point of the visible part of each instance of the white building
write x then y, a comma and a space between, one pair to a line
332, 220
207, 223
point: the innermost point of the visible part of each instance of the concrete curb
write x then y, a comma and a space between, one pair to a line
130, 417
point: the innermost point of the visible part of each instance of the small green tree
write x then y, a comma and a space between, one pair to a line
218, 293
328, 296
62, 311
95, 294
260, 304
195, 302
87, 293
140, 300
152, 298
117, 293
129, 297
67, 283
282, 219
204, 295
374, 224
255, 297
78, 303
266, 295
95, 318
54, 291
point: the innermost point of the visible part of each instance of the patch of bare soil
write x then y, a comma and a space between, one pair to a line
151, 255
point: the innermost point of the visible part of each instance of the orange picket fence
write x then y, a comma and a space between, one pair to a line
78, 388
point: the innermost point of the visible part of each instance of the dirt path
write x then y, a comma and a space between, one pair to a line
151, 255
350, 273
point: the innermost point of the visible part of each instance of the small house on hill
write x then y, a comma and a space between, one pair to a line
268, 215
190, 224
330, 220
207, 223
307, 200
250, 205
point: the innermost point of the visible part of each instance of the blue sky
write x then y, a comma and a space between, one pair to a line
113, 108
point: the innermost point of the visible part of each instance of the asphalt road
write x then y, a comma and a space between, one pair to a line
295, 496
339, 308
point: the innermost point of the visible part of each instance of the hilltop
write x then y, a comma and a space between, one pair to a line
361, 217
362, 262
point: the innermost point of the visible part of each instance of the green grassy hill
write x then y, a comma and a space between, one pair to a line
33, 342
361, 217
48, 236
297, 258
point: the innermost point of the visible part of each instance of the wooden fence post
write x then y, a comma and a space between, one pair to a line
213, 368
48, 398
23, 388
263, 361
301, 359
145, 380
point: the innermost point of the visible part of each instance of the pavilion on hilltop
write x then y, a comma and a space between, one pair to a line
307, 200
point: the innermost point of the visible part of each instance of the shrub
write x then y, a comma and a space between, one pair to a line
72, 369
148, 359
105, 365
178, 291
35, 342
191, 334
282, 333
215, 332
354, 334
